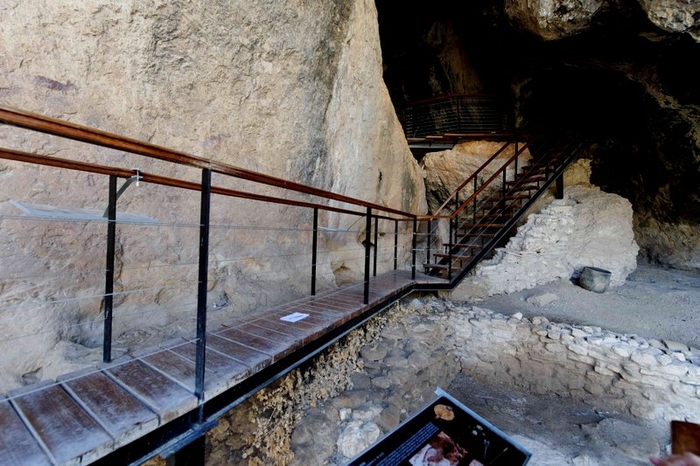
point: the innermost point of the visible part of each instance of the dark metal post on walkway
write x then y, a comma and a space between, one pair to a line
192, 454
414, 246
396, 244
376, 244
449, 255
314, 253
368, 232
202, 290
504, 186
429, 240
475, 188
109, 275
559, 187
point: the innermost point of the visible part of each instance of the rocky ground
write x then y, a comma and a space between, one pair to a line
390, 369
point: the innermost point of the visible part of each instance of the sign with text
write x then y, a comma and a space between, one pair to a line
444, 433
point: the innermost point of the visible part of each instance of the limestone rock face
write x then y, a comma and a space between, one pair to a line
552, 19
286, 88
674, 15
674, 245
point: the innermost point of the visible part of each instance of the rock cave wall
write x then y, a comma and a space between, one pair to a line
293, 89
612, 72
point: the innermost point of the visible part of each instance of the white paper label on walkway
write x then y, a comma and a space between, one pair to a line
296, 317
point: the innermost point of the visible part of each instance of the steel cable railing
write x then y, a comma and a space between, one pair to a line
298, 247
457, 114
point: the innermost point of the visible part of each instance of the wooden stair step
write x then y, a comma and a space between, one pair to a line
63, 426
464, 246
497, 215
19, 446
483, 226
157, 391
441, 267
529, 178
455, 257
525, 187
511, 197
478, 235
116, 409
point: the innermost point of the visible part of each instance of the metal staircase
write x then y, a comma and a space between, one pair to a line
487, 216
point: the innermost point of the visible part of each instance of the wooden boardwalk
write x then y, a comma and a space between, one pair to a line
85, 415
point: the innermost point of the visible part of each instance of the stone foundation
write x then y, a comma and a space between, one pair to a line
375, 378
646, 378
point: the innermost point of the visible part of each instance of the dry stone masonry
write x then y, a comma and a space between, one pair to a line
383, 373
587, 228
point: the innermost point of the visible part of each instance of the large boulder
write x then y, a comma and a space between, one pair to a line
552, 19
674, 15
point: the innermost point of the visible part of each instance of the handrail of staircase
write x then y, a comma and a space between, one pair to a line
89, 135
575, 153
473, 175
478, 191
56, 162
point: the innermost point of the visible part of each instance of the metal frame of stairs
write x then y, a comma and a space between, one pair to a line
493, 216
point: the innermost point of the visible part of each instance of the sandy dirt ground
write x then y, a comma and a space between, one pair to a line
654, 303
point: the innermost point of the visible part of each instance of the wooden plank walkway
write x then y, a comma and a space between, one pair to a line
86, 415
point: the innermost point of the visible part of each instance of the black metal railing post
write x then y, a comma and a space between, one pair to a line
202, 289
449, 255
414, 245
505, 170
456, 216
368, 232
376, 244
559, 187
396, 244
109, 274
429, 240
474, 213
314, 253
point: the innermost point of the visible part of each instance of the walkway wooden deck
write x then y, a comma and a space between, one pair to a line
85, 415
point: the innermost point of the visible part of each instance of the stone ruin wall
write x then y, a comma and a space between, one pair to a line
382, 373
375, 378
589, 227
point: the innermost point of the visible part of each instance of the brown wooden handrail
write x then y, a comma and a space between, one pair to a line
471, 198
474, 175
56, 162
89, 135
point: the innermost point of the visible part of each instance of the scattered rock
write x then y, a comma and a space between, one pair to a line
374, 352
356, 436
381, 382
675, 346
542, 299
390, 418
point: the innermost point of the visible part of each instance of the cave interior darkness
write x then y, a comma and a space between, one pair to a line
594, 85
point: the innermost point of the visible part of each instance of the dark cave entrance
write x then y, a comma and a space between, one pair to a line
595, 85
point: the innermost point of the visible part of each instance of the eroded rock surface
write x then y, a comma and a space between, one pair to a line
552, 19
674, 15
290, 90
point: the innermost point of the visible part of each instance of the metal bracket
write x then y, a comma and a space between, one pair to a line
135, 177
